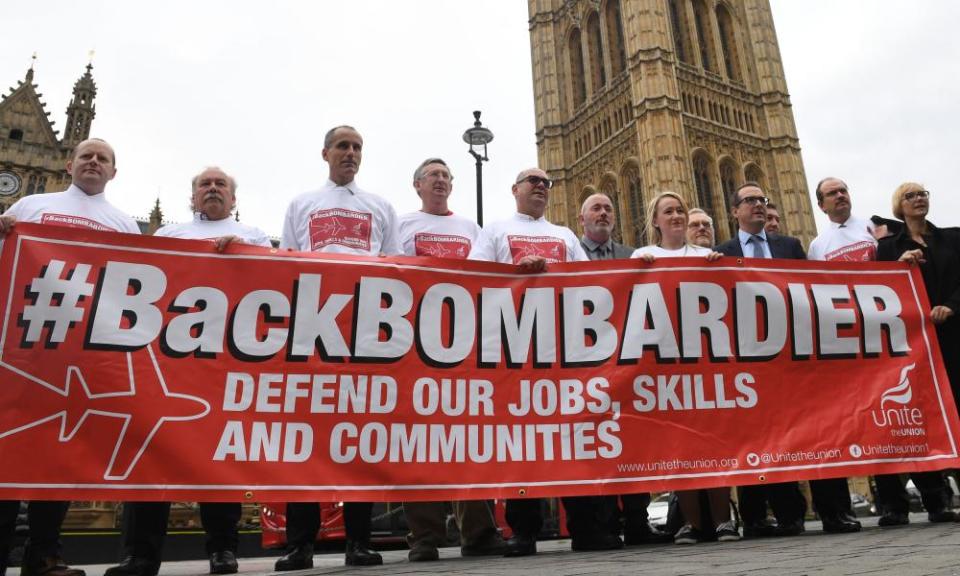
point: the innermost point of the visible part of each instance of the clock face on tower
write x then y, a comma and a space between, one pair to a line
9, 183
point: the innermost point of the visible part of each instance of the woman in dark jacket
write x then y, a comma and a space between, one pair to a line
937, 252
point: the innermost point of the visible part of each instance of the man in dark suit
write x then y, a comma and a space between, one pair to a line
598, 218
748, 204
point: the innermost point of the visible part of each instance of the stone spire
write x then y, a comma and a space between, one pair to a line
81, 111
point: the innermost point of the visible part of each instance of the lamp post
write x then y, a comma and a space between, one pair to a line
476, 137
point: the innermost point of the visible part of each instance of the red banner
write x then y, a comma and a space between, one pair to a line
140, 368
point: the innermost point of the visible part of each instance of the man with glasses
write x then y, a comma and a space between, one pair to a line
748, 205
850, 239
436, 231
532, 243
700, 228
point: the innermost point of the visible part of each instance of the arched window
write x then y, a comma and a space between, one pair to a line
753, 173
575, 54
702, 181
635, 206
728, 182
598, 75
618, 51
701, 21
681, 34
728, 42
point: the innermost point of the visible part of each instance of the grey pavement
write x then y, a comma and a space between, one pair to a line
918, 549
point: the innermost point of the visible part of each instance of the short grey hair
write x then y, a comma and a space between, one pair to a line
418, 173
700, 211
328, 138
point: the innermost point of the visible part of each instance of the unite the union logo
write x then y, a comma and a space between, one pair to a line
895, 411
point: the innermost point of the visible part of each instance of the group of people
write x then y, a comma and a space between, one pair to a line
343, 218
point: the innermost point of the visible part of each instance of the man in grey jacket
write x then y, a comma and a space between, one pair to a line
598, 219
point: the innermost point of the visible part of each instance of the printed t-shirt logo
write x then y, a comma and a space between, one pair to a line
73, 222
340, 226
441, 245
858, 252
549, 247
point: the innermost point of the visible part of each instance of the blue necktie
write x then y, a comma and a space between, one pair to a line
756, 242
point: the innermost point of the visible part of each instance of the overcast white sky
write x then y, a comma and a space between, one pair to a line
253, 88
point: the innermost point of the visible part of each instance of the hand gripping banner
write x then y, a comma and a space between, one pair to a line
139, 368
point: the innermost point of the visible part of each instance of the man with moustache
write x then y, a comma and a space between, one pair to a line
83, 205
851, 239
436, 231
531, 242
212, 200
748, 205
339, 218
700, 228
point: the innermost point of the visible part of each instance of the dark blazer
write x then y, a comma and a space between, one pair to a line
941, 272
780, 247
619, 251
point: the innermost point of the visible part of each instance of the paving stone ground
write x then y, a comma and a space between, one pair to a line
919, 549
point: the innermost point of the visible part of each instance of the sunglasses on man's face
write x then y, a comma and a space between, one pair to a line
537, 180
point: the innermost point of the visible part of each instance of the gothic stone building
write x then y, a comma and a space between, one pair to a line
634, 97
33, 157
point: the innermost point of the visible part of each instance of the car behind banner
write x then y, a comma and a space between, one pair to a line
139, 368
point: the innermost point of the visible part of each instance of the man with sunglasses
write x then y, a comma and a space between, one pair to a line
531, 242
850, 239
748, 205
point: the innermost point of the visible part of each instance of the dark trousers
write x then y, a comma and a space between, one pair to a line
44, 518
303, 522
892, 494
145, 528
587, 516
785, 499
635, 515
831, 497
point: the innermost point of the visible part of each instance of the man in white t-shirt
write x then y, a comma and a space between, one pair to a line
436, 231
527, 239
212, 199
850, 239
82, 205
532, 243
339, 218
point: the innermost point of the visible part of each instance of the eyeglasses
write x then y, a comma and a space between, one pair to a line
704, 224
438, 174
922, 194
536, 181
753, 200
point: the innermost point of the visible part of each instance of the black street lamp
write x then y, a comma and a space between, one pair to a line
476, 137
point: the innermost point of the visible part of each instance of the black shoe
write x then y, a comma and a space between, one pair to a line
521, 546
423, 553
842, 523
645, 533
893, 519
49, 566
792, 528
223, 562
687, 535
762, 529
596, 543
360, 554
492, 546
298, 558
942, 516
132, 566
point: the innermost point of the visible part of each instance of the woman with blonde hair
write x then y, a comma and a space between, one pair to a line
666, 227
